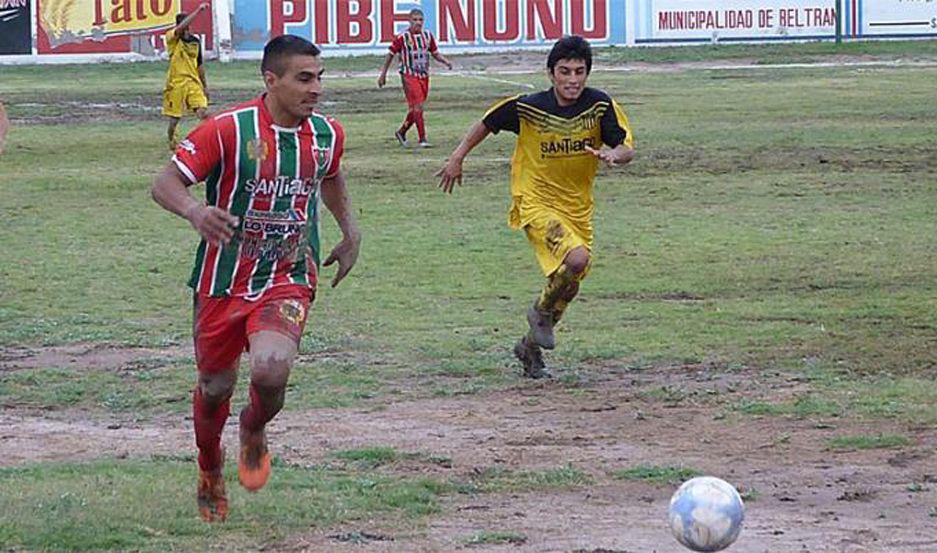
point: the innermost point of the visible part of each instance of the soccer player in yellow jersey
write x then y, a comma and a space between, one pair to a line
186, 87
560, 138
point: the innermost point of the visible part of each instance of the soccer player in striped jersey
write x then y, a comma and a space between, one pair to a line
266, 165
186, 86
560, 133
414, 48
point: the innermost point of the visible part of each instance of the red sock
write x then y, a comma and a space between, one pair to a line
208, 427
420, 126
254, 417
407, 123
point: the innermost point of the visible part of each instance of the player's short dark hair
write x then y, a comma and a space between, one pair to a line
282, 47
180, 17
572, 47
416, 11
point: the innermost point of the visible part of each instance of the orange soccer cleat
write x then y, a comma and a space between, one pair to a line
212, 501
254, 461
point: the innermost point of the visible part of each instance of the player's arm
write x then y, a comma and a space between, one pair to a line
395, 47
336, 199
441, 59
170, 190
616, 135
619, 155
201, 72
382, 79
434, 51
451, 173
502, 116
177, 30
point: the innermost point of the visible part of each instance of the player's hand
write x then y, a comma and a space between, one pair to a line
214, 224
346, 254
604, 154
207, 95
382, 80
450, 175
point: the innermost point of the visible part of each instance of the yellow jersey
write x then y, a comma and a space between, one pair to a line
551, 168
185, 57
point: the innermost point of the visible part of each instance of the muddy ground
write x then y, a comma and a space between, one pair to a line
806, 497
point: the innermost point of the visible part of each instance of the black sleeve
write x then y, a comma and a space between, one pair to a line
200, 54
613, 133
503, 116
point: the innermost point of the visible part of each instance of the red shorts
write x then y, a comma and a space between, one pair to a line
416, 89
221, 325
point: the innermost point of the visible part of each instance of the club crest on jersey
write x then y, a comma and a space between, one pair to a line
257, 150
292, 311
188, 146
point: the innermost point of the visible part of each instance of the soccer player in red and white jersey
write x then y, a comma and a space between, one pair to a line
266, 164
414, 47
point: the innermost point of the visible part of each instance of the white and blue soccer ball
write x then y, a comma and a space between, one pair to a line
706, 514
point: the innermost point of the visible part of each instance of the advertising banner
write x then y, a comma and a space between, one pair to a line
676, 21
15, 35
111, 26
370, 25
892, 18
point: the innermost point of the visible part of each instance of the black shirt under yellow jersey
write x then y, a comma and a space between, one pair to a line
551, 167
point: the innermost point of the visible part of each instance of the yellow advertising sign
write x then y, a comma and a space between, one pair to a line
68, 20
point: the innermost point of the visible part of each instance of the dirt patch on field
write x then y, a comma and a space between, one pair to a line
803, 496
88, 356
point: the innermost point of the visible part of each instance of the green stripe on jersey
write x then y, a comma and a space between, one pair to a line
324, 141
211, 194
247, 169
287, 150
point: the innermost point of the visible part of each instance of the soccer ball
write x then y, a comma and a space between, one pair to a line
706, 514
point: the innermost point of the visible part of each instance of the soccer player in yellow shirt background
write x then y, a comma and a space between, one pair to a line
560, 133
186, 87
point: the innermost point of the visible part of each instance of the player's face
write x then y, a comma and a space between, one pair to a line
569, 80
416, 22
297, 90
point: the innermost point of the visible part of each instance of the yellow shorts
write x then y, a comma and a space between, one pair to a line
180, 98
552, 237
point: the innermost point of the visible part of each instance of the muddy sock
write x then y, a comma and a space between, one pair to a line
209, 423
266, 402
420, 125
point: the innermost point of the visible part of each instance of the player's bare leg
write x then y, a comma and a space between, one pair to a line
210, 407
272, 356
171, 133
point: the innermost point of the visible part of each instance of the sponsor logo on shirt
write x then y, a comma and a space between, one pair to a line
280, 186
565, 147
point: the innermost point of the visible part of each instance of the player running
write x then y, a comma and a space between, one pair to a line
414, 47
186, 87
559, 136
266, 164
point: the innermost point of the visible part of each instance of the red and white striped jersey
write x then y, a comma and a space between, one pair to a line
268, 177
414, 50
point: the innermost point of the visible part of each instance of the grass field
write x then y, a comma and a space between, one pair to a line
766, 265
